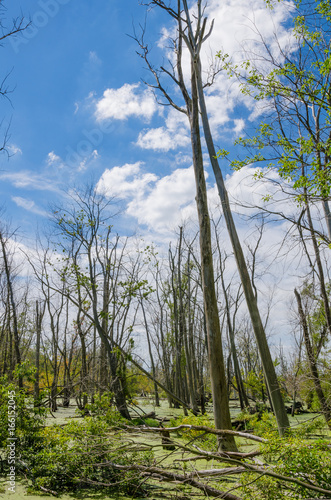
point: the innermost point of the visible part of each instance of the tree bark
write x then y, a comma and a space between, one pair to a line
39, 318
215, 349
156, 391
268, 366
326, 409
13, 307
184, 332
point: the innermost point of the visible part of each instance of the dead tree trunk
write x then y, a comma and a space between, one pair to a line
12, 305
326, 409
194, 45
215, 349
156, 391
40, 310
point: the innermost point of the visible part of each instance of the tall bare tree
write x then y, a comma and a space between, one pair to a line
325, 405
194, 42
192, 30
13, 315
191, 110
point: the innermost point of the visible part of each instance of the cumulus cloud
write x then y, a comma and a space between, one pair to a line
248, 190
161, 139
167, 203
175, 134
159, 203
125, 181
128, 100
242, 30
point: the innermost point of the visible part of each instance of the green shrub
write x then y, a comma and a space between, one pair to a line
77, 455
102, 409
19, 418
148, 422
209, 441
310, 427
81, 455
261, 423
293, 457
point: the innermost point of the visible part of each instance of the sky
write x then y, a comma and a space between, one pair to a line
80, 113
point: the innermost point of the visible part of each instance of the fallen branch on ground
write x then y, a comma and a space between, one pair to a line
203, 428
164, 475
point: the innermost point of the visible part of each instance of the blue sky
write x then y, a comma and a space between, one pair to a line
68, 53
79, 112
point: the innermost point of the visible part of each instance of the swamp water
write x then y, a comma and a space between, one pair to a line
63, 415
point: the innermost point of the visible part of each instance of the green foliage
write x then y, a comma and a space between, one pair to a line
138, 382
309, 428
208, 441
64, 458
261, 423
295, 456
101, 409
82, 454
255, 382
148, 422
19, 418
25, 370
297, 89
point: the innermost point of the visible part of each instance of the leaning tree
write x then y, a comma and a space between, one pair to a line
191, 33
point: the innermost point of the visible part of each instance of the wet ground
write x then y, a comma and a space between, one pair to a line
143, 405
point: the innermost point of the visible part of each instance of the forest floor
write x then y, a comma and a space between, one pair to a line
141, 406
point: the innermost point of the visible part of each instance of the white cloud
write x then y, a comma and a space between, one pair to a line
84, 164
76, 160
161, 139
239, 125
247, 191
174, 135
25, 179
168, 203
128, 100
52, 159
13, 149
159, 203
28, 205
125, 181
162, 204
240, 29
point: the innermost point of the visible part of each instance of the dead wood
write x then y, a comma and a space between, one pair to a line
165, 475
203, 428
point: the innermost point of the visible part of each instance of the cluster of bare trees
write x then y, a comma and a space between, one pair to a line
94, 304
93, 294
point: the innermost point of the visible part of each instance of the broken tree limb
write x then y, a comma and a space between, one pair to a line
165, 475
203, 428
